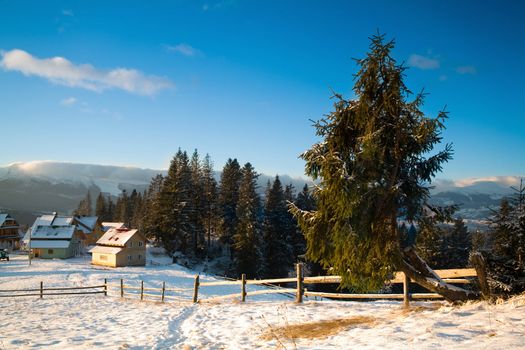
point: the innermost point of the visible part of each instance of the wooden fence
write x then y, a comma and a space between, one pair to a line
163, 293
456, 276
43, 291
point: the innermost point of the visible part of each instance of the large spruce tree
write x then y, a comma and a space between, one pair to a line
373, 166
247, 240
278, 252
228, 199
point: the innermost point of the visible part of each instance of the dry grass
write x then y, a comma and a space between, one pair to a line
313, 330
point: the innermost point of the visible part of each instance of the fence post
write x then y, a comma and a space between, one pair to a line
141, 290
105, 287
243, 287
406, 289
122, 288
41, 289
196, 289
163, 290
300, 291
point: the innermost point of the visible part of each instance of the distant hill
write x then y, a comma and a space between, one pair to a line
35, 187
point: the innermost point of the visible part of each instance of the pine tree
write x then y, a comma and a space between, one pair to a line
373, 166
509, 227
175, 206
228, 199
303, 201
457, 246
247, 242
84, 207
152, 211
278, 252
101, 209
209, 190
197, 206
123, 209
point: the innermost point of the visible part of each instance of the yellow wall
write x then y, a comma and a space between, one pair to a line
104, 259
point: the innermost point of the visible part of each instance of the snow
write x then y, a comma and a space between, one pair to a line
117, 237
98, 322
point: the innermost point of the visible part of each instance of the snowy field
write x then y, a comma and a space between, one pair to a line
268, 322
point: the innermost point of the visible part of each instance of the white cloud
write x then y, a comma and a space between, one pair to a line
60, 71
443, 77
68, 13
423, 62
466, 70
183, 49
70, 101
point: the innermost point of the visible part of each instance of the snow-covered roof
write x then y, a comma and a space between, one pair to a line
50, 244
106, 225
62, 221
106, 250
116, 237
86, 223
52, 232
2, 218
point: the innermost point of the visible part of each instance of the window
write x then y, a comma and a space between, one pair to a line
140, 243
140, 256
103, 257
129, 257
50, 251
131, 244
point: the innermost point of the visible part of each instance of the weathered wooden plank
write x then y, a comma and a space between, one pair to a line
448, 273
271, 291
352, 296
219, 283
322, 279
272, 281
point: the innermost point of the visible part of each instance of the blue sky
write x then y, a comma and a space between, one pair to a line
136, 80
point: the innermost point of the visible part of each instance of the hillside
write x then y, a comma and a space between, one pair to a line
263, 322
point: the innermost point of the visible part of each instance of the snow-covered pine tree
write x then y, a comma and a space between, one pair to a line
373, 167
174, 205
151, 215
197, 206
210, 194
247, 240
503, 265
303, 201
228, 199
278, 252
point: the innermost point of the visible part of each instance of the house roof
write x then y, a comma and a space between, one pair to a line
50, 244
86, 224
106, 225
117, 237
51, 233
2, 218
106, 250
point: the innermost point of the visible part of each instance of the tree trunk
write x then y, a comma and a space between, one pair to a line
418, 270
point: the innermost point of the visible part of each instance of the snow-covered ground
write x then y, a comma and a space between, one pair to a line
98, 322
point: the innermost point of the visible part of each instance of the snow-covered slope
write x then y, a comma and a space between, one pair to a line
98, 322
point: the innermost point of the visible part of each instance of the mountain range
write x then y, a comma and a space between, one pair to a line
27, 189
